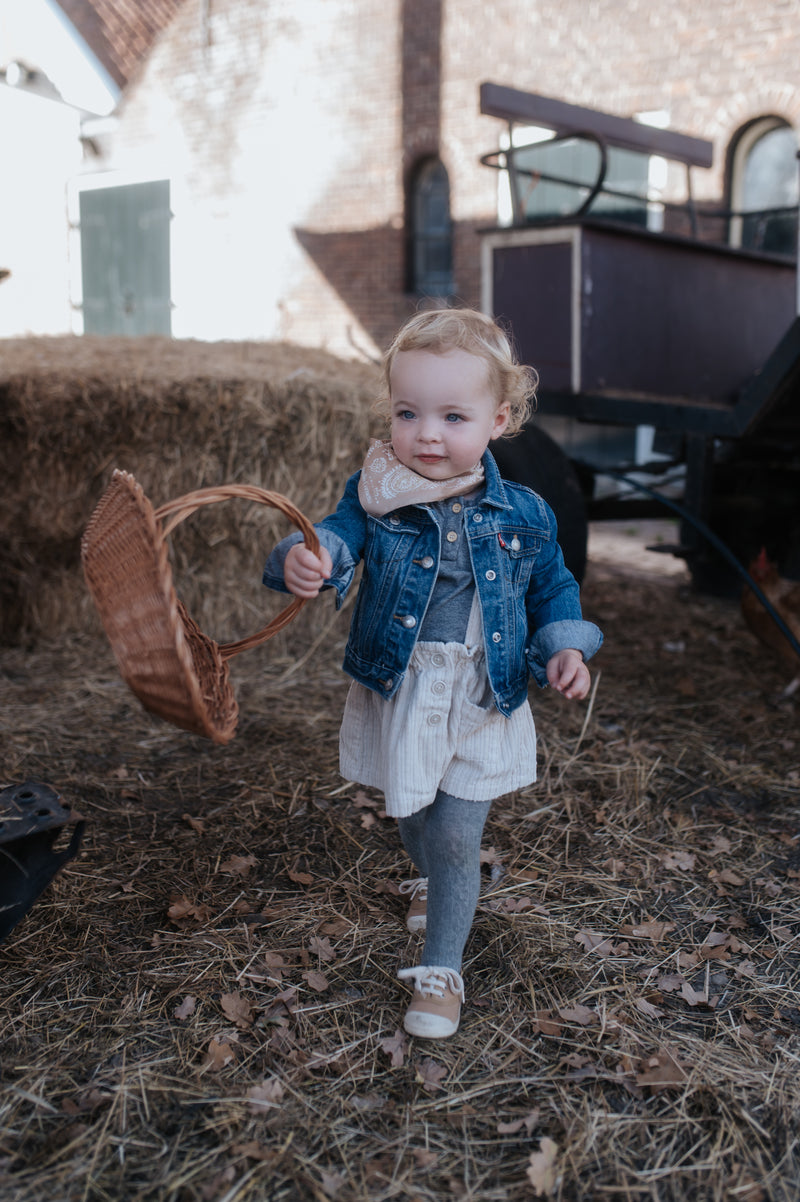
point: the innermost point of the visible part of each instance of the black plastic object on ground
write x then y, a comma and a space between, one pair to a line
31, 816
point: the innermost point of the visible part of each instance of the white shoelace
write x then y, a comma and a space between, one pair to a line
432, 981
418, 886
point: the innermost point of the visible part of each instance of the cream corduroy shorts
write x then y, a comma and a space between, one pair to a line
441, 730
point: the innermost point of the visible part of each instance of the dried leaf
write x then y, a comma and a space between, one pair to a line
182, 911
615, 867
544, 1023
490, 855
581, 1015
679, 859
239, 865
265, 1096
648, 1009
648, 930
662, 1071
361, 801
424, 1158
85, 1103
727, 876
300, 878
197, 824
528, 1122
430, 1074
218, 1055
395, 1047
746, 969
331, 1183
542, 1168
256, 1151
694, 998
670, 982
368, 820
595, 943
335, 928
237, 1008
186, 1007
316, 980
322, 948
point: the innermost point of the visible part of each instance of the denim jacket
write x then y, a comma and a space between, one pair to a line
530, 604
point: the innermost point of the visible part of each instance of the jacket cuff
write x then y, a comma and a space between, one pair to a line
343, 563
557, 636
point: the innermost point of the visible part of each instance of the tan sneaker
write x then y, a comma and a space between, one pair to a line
435, 1011
418, 910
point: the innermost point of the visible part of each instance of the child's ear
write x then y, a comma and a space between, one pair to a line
501, 419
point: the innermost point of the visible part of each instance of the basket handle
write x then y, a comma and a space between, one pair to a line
183, 507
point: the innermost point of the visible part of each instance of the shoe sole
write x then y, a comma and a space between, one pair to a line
417, 923
429, 1026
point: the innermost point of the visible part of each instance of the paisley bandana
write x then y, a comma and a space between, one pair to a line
387, 484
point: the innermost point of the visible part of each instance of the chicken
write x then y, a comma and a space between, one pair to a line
784, 596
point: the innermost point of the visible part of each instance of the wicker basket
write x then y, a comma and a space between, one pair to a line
174, 669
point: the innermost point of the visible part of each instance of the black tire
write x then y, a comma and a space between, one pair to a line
535, 459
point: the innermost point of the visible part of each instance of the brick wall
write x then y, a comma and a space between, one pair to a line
290, 128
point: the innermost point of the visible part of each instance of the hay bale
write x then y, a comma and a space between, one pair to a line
179, 415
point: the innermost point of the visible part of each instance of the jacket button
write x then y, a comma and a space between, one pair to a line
393, 521
387, 684
497, 637
477, 517
434, 719
409, 621
427, 561
490, 575
451, 536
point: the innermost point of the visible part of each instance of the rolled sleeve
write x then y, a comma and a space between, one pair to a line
344, 565
577, 634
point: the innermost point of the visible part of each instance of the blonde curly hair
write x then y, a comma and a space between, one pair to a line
442, 330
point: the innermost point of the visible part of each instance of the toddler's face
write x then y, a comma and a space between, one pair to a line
444, 414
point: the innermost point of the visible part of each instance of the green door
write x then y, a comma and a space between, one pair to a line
125, 259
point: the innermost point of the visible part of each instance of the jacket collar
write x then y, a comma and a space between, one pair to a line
495, 493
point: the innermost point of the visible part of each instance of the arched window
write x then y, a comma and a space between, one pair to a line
764, 187
430, 259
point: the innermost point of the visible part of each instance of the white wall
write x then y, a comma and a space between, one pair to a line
40, 150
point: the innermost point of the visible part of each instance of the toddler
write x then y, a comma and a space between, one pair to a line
464, 594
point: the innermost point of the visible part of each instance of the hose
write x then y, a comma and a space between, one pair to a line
709, 535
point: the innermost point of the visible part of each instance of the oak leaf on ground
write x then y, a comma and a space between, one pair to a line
395, 1046
542, 1168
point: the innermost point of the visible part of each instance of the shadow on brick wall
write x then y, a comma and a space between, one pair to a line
366, 268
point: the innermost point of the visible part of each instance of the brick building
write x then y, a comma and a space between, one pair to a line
301, 141
309, 169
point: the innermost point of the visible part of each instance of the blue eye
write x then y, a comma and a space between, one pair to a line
405, 415
453, 418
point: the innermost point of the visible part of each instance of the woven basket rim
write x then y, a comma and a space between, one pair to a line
174, 669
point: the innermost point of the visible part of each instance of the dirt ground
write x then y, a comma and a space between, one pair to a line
203, 1006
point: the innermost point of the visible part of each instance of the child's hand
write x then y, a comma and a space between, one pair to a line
567, 673
304, 573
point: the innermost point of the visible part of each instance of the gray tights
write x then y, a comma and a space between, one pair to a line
444, 842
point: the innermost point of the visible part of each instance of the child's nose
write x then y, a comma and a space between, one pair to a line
429, 431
